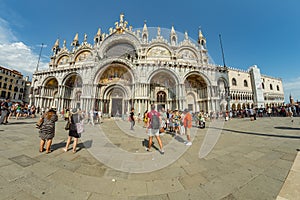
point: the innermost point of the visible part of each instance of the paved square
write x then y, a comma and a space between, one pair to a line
23, 160
250, 160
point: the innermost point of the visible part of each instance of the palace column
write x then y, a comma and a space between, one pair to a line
41, 100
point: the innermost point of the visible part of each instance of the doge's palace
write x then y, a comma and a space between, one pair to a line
129, 67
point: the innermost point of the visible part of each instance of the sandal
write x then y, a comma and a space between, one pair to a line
49, 151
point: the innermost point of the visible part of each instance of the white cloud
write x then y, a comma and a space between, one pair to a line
292, 87
15, 54
6, 34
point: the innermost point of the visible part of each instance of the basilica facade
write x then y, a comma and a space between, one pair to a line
133, 68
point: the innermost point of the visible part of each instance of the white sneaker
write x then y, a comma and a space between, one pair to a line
188, 144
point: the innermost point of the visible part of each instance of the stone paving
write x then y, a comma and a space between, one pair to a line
250, 160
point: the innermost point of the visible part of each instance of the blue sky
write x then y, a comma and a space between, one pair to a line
261, 32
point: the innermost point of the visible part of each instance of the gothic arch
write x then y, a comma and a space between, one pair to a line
48, 79
82, 55
190, 49
206, 79
222, 79
126, 74
115, 100
165, 71
159, 51
62, 59
117, 39
67, 76
107, 92
233, 82
191, 98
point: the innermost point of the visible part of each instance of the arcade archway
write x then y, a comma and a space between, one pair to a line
163, 91
72, 91
113, 92
50, 92
196, 92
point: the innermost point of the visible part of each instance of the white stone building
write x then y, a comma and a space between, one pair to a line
252, 89
129, 67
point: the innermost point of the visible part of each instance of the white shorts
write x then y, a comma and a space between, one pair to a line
153, 132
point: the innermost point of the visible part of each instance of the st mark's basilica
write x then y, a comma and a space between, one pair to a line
133, 68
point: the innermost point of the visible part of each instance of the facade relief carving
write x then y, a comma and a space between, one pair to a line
122, 70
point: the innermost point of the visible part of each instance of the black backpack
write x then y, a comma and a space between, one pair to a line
155, 122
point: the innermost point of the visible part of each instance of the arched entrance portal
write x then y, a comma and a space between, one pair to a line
72, 91
50, 93
161, 100
196, 93
163, 91
117, 102
113, 89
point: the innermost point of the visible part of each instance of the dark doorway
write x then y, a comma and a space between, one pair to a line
116, 107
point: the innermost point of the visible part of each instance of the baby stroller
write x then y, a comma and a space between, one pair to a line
201, 124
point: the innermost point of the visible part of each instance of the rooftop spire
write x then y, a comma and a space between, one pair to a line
201, 38
99, 32
145, 33
75, 40
76, 37
173, 36
56, 44
173, 30
145, 28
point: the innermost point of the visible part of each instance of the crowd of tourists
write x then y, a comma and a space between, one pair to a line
16, 110
174, 122
157, 122
272, 111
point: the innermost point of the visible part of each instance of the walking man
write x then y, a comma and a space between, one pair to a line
187, 123
131, 118
153, 126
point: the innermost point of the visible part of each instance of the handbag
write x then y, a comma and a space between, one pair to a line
39, 124
79, 126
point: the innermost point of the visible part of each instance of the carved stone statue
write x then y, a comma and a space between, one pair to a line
121, 17
186, 35
85, 38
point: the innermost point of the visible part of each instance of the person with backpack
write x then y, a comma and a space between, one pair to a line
153, 126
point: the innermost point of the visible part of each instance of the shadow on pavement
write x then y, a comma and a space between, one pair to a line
286, 128
179, 139
260, 134
58, 146
86, 144
21, 122
82, 145
145, 143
